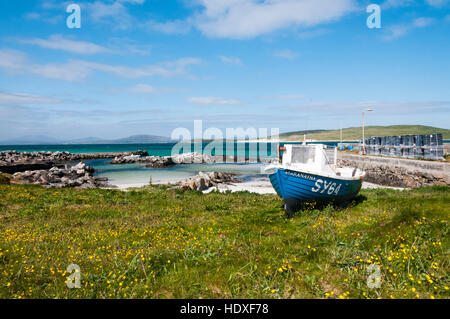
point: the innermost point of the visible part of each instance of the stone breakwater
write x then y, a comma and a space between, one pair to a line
10, 157
398, 172
186, 158
166, 161
206, 180
78, 176
13, 161
149, 161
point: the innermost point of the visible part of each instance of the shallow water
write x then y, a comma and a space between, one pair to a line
138, 175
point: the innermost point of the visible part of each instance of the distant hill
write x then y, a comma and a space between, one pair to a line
86, 140
355, 133
46, 140
141, 139
32, 140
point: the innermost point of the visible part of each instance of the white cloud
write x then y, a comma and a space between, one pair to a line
145, 89
309, 34
387, 4
396, 31
12, 60
166, 69
132, 1
230, 60
170, 27
114, 13
285, 54
16, 62
19, 98
32, 16
76, 70
211, 100
251, 18
286, 97
99, 10
399, 30
437, 3
124, 46
50, 17
57, 42
71, 71
51, 4
397, 3
422, 22
379, 107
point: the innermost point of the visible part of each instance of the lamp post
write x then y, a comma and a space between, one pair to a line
363, 135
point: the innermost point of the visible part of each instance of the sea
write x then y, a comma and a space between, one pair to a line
136, 175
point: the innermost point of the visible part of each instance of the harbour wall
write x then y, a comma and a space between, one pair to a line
398, 172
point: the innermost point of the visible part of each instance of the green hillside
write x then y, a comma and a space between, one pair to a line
355, 133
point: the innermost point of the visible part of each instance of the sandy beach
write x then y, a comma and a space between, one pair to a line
257, 184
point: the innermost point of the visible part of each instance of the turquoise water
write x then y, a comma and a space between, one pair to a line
138, 175
160, 149
157, 149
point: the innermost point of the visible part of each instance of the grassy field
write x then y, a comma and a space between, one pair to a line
355, 133
160, 243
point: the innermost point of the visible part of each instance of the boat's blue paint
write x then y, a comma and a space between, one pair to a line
306, 187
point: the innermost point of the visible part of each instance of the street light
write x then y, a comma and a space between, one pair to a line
363, 135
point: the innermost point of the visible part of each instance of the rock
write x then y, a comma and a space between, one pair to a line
203, 181
447, 179
149, 161
79, 176
189, 158
438, 175
398, 176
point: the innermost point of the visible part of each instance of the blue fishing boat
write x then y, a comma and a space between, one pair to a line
308, 173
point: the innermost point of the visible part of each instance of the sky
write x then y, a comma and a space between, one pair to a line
150, 66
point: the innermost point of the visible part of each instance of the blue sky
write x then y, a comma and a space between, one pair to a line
150, 66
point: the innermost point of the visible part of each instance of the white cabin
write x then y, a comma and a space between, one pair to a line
316, 159
311, 157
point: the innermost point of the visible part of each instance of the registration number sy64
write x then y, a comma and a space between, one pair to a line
329, 188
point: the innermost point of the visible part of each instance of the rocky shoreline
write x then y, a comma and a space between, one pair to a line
395, 172
401, 177
149, 161
203, 181
10, 157
55, 169
13, 161
77, 176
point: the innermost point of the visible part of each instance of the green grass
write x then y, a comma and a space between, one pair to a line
5, 179
160, 243
355, 133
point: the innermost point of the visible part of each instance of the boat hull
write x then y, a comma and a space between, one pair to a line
297, 188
